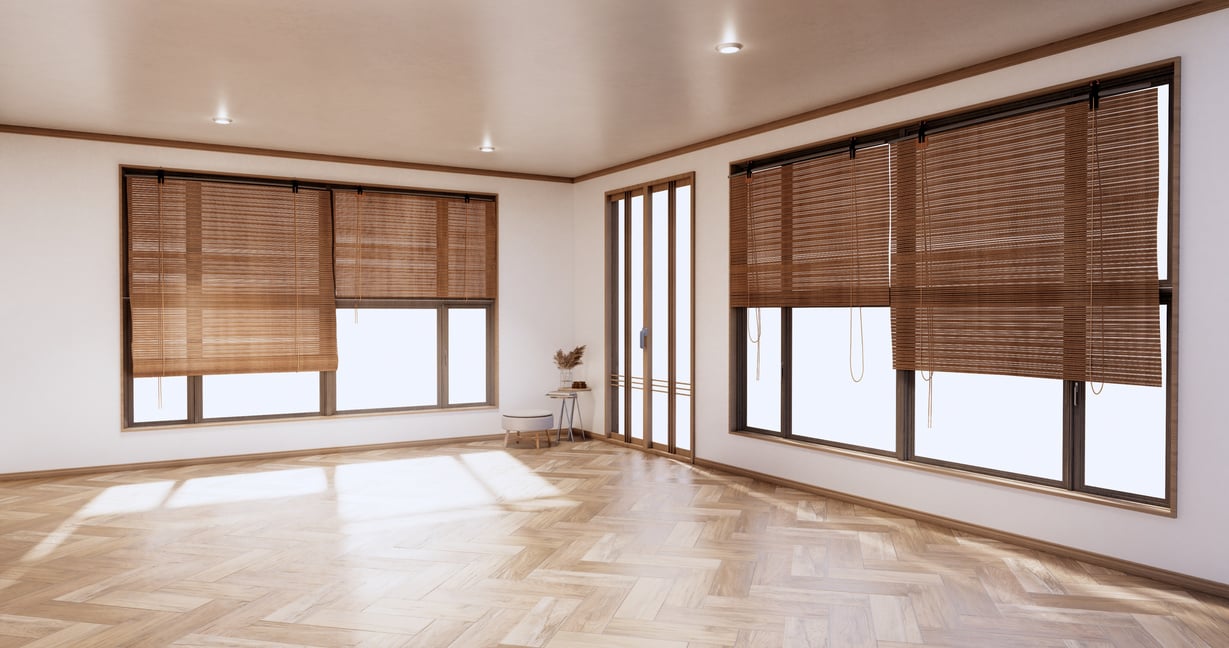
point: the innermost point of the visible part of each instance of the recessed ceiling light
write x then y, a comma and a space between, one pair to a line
729, 48
222, 120
486, 148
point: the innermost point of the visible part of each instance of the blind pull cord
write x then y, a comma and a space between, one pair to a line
759, 333
161, 294
1096, 315
927, 376
861, 344
466, 269
294, 210
756, 341
856, 289
358, 242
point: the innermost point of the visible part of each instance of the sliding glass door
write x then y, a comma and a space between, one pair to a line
649, 313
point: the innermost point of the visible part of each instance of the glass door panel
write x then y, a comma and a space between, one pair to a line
639, 325
659, 298
618, 342
682, 318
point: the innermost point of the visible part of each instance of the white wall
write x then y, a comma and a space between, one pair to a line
1193, 543
60, 329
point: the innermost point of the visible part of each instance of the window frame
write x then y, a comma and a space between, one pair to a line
1072, 483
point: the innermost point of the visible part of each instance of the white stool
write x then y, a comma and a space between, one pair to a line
536, 421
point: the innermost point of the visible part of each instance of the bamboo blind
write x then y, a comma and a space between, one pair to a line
812, 233
229, 278
1027, 246
406, 246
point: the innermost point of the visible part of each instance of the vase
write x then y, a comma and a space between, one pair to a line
565, 378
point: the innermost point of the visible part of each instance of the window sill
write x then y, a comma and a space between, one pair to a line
1164, 511
287, 418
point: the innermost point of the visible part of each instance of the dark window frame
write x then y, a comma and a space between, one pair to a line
327, 379
1074, 392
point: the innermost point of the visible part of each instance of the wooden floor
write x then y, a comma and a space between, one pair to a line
585, 545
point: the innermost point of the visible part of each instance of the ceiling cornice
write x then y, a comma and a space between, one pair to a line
268, 152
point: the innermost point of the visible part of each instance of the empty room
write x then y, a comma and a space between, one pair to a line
613, 323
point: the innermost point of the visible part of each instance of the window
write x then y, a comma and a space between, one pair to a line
248, 298
1026, 285
387, 358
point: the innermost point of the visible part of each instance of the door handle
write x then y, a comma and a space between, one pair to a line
644, 335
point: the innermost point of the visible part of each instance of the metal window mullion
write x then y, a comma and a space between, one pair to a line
196, 399
905, 394
787, 370
1073, 434
441, 355
328, 393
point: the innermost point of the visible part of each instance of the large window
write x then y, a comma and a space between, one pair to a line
1023, 326
252, 298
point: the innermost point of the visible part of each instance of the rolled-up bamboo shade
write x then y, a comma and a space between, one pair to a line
812, 233
229, 278
408, 246
1026, 246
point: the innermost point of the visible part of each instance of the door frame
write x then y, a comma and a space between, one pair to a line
616, 410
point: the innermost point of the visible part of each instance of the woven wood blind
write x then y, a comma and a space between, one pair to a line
812, 233
229, 278
1027, 246
405, 246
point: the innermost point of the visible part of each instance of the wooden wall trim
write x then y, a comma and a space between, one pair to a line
1136, 569
1153, 21
1192, 10
269, 152
256, 456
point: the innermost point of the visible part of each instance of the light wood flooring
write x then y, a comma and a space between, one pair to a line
583, 545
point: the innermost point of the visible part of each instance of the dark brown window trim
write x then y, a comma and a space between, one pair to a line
1072, 483
328, 379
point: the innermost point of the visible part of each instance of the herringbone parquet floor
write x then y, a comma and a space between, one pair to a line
584, 545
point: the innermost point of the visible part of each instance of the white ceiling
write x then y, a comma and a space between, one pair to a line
560, 87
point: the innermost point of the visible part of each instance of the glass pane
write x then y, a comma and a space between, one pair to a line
620, 290
682, 423
637, 281
659, 328
661, 419
261, 394
682, 283
827, 403
145, 399
1124, 434
764, 368
619, 413
1002, 423
660, 292
636, 423
638, 323
466, 355
386, 359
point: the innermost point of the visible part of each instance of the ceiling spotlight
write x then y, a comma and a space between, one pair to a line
729, 48
486, 148
222, 120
